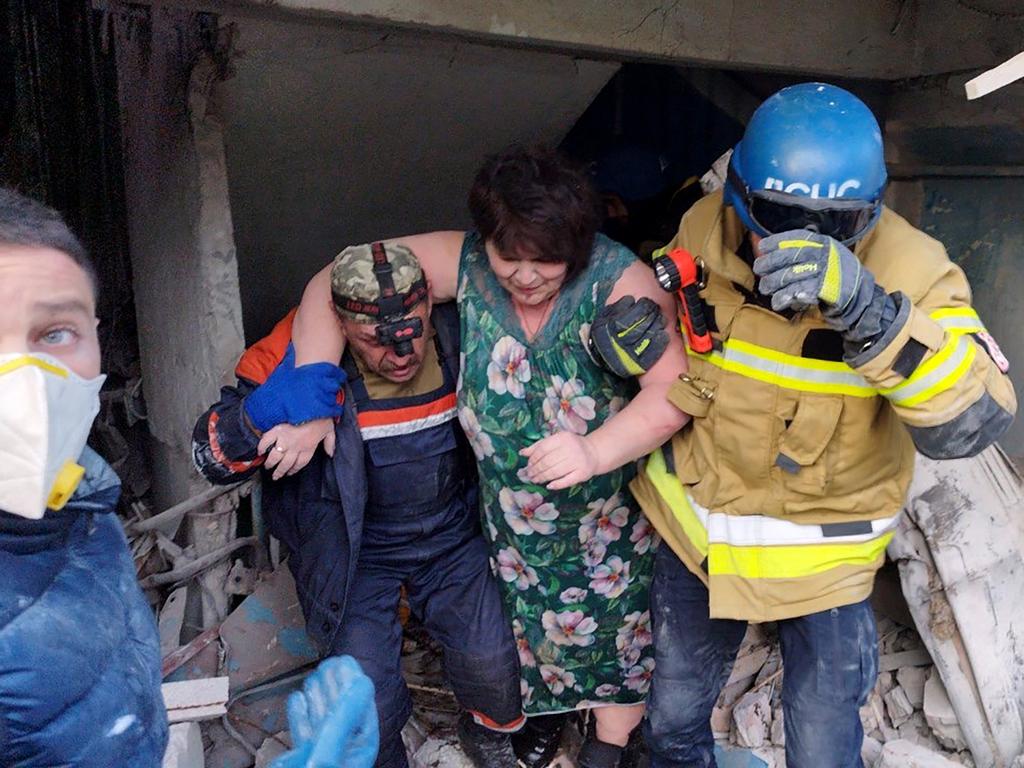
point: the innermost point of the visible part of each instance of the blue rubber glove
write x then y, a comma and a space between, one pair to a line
293, 395
802, 269
333, 719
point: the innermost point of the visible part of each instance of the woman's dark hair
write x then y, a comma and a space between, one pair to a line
535, 201
27, 222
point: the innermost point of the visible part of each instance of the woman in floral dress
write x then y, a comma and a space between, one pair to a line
555, 433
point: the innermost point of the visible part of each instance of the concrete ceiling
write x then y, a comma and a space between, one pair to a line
885, 39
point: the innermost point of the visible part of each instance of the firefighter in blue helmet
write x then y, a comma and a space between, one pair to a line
842, 339
390, 502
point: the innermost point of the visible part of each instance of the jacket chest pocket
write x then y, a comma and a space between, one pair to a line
803, 460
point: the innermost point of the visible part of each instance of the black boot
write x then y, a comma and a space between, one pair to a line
484, 747
598, 754
635, 754
537, 741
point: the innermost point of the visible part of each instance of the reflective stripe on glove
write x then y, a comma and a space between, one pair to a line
333, 719
629, 336
802, 269
293, 395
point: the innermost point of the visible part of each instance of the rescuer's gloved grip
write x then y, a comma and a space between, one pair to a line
293, 395
629, 336
801, 269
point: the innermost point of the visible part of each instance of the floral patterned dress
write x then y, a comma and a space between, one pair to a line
574, 565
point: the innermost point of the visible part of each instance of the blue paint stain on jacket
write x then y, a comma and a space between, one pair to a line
79, 650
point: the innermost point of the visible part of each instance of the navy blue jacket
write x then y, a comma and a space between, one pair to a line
79, 651
318, 512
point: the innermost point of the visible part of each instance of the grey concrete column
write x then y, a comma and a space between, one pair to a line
185, 274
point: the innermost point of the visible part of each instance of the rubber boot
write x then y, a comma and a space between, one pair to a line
485, 748
536, 743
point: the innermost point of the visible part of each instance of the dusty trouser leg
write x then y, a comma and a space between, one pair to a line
831, 662
372, 635
694, 655
458, 602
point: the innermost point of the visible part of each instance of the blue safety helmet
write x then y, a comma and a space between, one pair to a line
811, 158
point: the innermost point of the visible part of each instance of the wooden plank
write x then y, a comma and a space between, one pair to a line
996, 78
192, 700
178, 511
919, 657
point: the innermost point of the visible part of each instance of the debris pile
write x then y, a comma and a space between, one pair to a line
908, 719
227, 609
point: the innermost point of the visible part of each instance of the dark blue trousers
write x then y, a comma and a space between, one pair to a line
442, 560
830, 660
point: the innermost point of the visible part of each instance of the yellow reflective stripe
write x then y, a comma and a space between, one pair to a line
35, 362
945, 312
958, 320
947, 382
799, 244
935, 375
830, 284
791, 562
628, 363
671, 490
788, 371
787, 359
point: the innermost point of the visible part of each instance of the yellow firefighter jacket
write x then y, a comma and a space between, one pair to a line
783, 491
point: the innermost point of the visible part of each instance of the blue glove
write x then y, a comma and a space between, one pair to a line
802, 269
293, 395
333, 719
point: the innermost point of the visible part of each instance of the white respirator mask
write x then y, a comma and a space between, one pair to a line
46, 411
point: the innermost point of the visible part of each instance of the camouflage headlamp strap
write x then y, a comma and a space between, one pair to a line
390, 304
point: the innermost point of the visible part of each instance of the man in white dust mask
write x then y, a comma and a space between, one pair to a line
79, 652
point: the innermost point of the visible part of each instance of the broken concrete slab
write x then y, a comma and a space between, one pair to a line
184, 747
911, 680
916, 730
905, 754
898, 706
870, 752
192, 700
752, 718
941, 717
960, 550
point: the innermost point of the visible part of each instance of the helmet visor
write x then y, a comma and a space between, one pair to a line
841, 221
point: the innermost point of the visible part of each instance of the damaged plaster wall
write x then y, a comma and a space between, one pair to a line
961, 166
981, 225
339, 135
